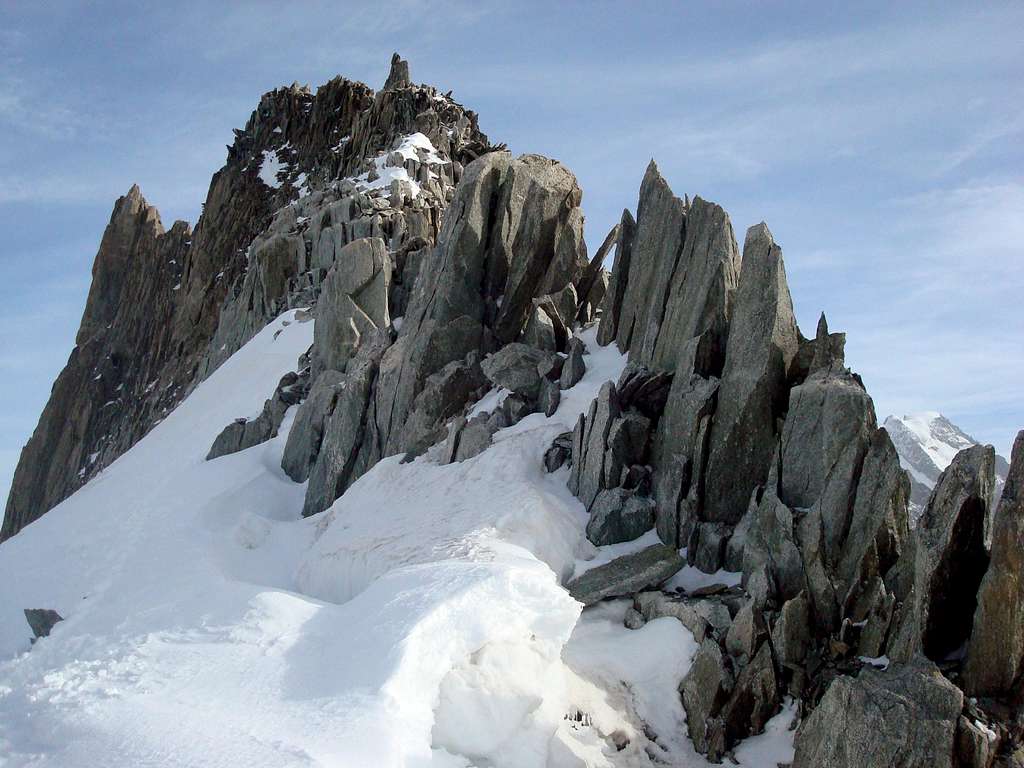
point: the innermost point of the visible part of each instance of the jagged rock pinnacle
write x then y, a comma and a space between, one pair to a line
398, 77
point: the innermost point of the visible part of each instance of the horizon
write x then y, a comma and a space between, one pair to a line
899, 216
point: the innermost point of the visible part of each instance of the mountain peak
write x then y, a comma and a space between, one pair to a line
398, 77
927, 442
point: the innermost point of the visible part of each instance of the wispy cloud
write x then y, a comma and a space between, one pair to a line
942, 330
26, 108
29, 102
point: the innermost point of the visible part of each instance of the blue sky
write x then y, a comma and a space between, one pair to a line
882, 144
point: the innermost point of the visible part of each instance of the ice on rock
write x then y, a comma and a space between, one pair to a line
270, 168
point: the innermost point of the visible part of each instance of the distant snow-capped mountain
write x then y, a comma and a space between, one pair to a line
926, 444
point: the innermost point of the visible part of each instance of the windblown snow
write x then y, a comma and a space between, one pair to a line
418, 621
270, 168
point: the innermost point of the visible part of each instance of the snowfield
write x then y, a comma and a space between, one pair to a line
418, 621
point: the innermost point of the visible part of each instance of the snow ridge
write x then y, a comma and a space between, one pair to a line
420, 620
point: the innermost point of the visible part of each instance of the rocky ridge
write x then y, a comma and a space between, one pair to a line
755, 449
438, 269
309, 173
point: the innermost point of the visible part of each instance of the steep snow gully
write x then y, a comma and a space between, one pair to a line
419, 620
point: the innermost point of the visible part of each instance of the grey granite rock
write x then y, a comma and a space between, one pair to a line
398, 77
306, 434
619, 515
590, 439
791, 635
723, 706
540, 331
906, 716
515, 367
110, 392
995, 657
540, 238
827, 414
574, 366
771, 545
626, 445
683, 270
703, 617
559, 453
753, 394
549, 398
587, 299
41, 621
353, 303
706, 545
337, 462
746, 632
937, 579
626, 575
618, 281
472, 438
754, 699
829, 348
879, 528
976, 744
704, 691
242, 434
679, 446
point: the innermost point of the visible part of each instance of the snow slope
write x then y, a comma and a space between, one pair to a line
926, 443
417, 621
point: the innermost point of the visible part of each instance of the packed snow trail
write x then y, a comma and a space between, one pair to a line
417, 621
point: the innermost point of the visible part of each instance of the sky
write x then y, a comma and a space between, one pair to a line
882, 143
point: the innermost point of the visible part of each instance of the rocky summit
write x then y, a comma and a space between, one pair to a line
309, 174
661, 438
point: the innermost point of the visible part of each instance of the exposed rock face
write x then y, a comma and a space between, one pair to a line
681, 443
574, 367
512, 246
515, 234
728, 697
111, 391
594, 283
763, 341
904, 716
995, 656
763, 454
589, 443
398, 77
682, 270
515, 367
306, 435
41, 621
353, 302
626, 575
242, 434
703, 617
345, 452
619, 515
948, 556
829, 414
619, 280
